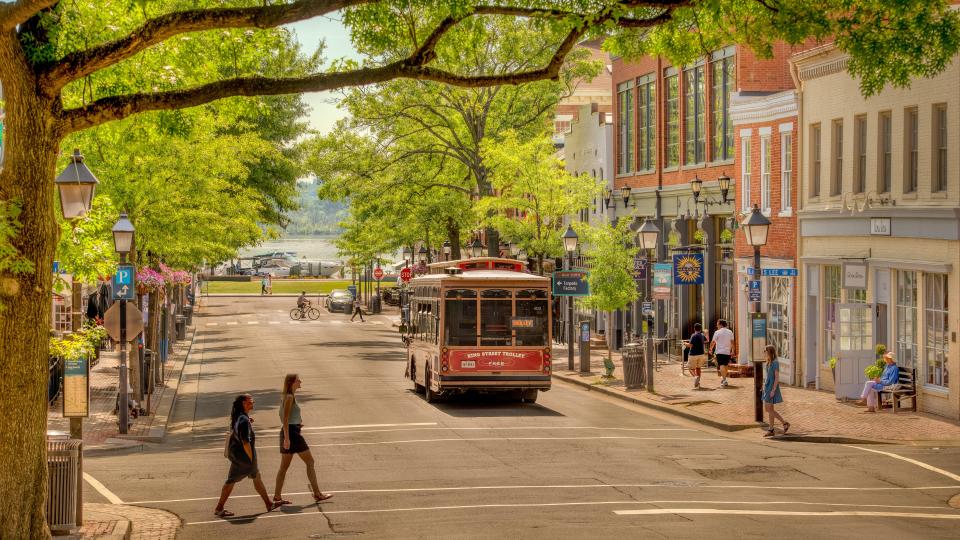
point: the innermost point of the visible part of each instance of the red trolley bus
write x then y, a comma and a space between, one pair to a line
479, 324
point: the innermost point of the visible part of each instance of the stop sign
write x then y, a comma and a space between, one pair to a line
406, 274
378, 273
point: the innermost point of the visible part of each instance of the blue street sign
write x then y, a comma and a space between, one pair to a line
774, 272
570, 283
646, 306
353, 290
754, 291
124, 286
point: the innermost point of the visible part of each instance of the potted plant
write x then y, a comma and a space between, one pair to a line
833, 367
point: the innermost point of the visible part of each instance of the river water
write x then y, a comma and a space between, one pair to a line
311, 247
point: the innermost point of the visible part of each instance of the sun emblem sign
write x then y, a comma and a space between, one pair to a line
688, 269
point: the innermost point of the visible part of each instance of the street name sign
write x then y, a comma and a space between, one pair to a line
774, 272
111, 321
570, 283
124, 287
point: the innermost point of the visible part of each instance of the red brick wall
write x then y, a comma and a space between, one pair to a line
753, 74
782, 235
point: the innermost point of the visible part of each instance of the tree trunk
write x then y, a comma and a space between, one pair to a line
453, 235
27, 177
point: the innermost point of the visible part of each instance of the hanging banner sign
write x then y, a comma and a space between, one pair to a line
662, 279
570, 283
688, 269
639, 267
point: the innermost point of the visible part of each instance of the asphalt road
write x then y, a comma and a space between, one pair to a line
573, 465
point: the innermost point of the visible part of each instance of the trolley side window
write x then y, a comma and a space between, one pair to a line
460, 317
532, 312
496, 310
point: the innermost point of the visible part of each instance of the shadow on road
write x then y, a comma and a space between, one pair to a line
473, 405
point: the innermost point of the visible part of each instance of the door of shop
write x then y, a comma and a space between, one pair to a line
855, 347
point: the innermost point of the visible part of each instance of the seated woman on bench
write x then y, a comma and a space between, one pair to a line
890, 376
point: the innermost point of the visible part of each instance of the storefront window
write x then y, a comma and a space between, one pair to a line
778, 309
461, 317
936, 331
728, 302
906, 319
831, 297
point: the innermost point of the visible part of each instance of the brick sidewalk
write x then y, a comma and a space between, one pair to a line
102, 424
120, 521
812, 414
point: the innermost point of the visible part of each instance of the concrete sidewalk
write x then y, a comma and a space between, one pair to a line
814, 416
123, 522
101, 429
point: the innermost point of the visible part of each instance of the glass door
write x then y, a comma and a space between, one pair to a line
854, 348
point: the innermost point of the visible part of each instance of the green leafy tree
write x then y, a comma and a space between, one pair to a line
610, 251
533, 194
86, 247
54, 55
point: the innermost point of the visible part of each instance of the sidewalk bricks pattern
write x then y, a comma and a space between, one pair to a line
135, 522
812, 414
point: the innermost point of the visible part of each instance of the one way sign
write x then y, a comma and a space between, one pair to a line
124, 287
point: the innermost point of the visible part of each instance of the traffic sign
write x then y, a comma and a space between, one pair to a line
406, 274
124, 287
378, 273
646, 306
111, 321
754, 290
774, 272
571, 283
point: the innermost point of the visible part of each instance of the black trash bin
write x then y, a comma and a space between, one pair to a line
181, 327
188, 313
632, 354
146, 372
375, 304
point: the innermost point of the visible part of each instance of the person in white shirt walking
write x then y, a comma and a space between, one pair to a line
722, 348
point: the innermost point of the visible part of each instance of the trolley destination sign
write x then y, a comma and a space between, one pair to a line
571, 283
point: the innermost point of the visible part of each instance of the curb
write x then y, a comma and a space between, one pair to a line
158, 429
113, 446
833, 439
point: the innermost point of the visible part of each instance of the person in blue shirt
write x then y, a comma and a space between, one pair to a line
890, 376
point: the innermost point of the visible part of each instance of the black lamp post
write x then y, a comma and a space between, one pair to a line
123, 242
647, 237
570, 240
755, 228
76, 185
476, 248
423, 254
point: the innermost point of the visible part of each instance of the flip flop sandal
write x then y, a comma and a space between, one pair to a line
322, 497
281, 501
786, 428
223, 513
769, 433
274, 506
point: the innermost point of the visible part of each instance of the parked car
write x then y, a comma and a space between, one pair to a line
391, 296
339, 300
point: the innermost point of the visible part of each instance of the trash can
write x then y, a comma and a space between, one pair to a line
632, 354
375, 304
181, 327
188, 313
146, 372
63, 470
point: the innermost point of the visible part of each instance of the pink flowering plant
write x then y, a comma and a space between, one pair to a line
180, 277
149, 280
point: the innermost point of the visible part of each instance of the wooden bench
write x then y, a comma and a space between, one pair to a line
906, 388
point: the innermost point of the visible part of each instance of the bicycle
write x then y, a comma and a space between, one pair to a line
307, 311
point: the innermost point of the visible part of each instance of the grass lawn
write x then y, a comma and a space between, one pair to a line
279, 286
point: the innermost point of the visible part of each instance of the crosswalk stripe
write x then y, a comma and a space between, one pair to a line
231, 323
253, 322
212, 324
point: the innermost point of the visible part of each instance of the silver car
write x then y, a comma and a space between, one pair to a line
339, 300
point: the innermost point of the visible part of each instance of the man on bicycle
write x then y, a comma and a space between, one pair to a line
302, 301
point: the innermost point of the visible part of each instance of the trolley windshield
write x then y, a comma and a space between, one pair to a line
496, 317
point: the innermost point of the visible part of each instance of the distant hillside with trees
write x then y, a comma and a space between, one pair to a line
314, 216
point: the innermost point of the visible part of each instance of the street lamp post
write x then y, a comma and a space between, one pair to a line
755, 228
647, 237
570, 245
123, 241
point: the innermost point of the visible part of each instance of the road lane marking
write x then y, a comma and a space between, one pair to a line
102, 489
212, 324
232, 323
253, 322
937, 470
570, 486
274, 322
483, 439
780, 513
349, 426
525, 428
620, 512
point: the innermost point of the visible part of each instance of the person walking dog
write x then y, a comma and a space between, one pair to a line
771, 391
292, 442
242, 451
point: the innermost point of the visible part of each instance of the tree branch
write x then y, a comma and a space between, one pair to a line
82, 63
20, 12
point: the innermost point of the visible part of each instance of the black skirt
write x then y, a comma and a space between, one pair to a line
242, 469
297, 443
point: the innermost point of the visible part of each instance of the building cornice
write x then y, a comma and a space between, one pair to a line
757, 109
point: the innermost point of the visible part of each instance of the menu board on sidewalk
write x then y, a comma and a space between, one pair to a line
76, 388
